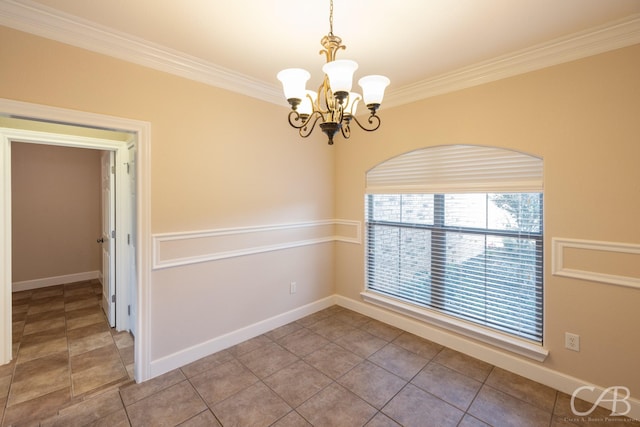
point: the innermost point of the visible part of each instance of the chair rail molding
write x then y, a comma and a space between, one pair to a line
184, 248
559, 266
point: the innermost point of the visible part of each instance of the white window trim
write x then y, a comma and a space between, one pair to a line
488, 336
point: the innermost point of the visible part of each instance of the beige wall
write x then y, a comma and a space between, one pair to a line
56, 216
224, 160
218, 160
583, 118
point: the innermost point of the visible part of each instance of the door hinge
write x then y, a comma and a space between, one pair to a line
113, 298
129, 310
113, 234
128, 239
113, 170
127, 168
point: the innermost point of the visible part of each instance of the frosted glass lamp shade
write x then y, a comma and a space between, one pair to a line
340, 73
294, 82
306, 105
373, 89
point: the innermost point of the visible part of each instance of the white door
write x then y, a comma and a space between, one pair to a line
107, 238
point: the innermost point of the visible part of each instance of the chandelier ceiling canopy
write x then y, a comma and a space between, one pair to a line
333, 106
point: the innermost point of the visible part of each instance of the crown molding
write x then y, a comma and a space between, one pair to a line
614, 35
35, 18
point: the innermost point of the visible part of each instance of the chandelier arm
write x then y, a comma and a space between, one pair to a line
345, 130
373, 120
309, 125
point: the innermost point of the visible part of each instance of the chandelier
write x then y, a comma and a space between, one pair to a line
333, 104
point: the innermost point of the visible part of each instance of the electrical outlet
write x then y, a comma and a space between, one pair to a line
572, 341
293, 287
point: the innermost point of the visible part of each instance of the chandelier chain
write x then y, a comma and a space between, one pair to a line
331, 17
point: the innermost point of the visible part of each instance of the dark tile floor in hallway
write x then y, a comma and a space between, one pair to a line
332, 368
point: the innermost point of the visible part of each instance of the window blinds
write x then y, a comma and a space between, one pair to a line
457, 169
458, 229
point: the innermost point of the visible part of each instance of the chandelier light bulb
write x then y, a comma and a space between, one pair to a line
373, 89
340, 73
294, 82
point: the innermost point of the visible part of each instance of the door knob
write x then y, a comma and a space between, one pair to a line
100, 240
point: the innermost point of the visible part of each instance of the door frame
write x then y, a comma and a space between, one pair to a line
141, 133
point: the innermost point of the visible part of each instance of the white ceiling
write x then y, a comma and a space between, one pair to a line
424, 46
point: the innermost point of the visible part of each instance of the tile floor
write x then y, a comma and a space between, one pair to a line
63, 352
332, 368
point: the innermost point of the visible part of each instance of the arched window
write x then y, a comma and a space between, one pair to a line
458, 230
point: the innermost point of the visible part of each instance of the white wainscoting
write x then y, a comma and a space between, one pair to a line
559, 263
56, 280
183, 248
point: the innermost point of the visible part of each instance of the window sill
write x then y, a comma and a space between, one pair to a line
485, 335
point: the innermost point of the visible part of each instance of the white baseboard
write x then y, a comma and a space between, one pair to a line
528, 369
191, 354
56, 280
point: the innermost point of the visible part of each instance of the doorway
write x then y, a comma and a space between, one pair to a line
138, 146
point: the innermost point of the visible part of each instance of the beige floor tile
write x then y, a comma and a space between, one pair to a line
37, 409
336, 406
206, 363
84, 331
96, 357
415, 407
256, 405
333, 360
372, 383
524, 389
97, 377
313, 318
44, 307
381, 420
382, 330
292, 419
84, 321
283, 331
135, 392
464, 364
267, 359
303, 342
399, 361
420, 346
123, 339
90, 342
297, 382
39, 377
43, 325
250, 345
361, 342
451, 386
332, 328
87, 412
203, 419
352, 318
168, 407
497, 408
469, 421
222, 381
41, 348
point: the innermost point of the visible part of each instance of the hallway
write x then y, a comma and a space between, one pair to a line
63, 352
